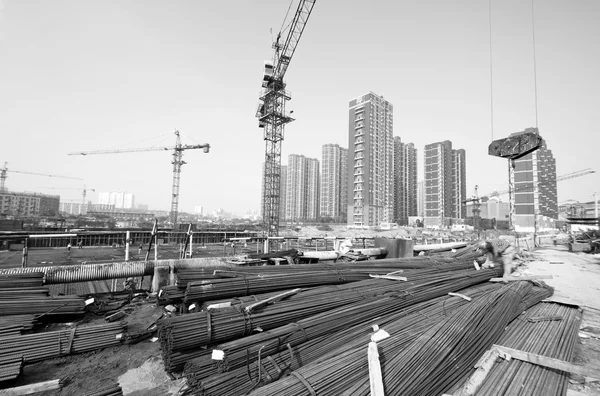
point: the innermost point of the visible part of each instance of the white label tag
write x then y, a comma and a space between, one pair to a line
119, 336
379, 335
153, 339
217, 354
89, 301
191, 307
221, 305
160, 292
375, 328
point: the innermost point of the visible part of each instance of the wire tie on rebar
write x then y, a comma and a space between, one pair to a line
304, 382
247, 283
303, 330
275, 365
208, 328
70, 342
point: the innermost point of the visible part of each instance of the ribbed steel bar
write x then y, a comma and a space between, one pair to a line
432, 360
111, 390
40, 346
392, 297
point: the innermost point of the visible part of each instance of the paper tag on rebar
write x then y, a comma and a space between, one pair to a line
192, 306
476, 265
221, 305
379, 335
375, 328
217, 354
119, 336
153, 339
160, 292
89, 301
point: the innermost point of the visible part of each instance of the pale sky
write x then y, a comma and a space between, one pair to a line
90, 75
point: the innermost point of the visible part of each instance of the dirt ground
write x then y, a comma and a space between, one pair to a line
576, 279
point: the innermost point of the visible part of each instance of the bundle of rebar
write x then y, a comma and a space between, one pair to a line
11, 367
203, 328
23, 292
422, 366
406, 326
67, 305
8, 324
547, 329
111, 390
40, 346
31, 279
382, 297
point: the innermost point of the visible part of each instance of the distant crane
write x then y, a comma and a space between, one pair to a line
476, 200
272, 116
177, 162
4, 170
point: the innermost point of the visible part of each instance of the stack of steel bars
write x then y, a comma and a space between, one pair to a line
547, 329
406, 325
383, 297
111, 390
424, 366
67, 305
31, 279
40, 346
203, 328
10, 366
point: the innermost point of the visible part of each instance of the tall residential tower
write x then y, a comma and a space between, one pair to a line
405, 181
334, 182
370, 161
445, 183
302, 188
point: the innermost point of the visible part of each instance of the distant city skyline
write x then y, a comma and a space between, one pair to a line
70, 84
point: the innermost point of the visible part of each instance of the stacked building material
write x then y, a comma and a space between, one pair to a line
26, 292
406, 325
10, 367
67, 305
32, 279
429, 365
16, 324
40, 346
110, 390
366, 299
547, 329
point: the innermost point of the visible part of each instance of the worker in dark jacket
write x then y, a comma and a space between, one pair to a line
500, 252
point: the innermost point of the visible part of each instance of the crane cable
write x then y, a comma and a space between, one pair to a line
534, 64
491, 72
281, 29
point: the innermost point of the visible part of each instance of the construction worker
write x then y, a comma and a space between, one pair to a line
500, 251
129, 284
69, 248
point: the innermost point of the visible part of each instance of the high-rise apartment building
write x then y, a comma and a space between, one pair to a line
535, 188
334, 182
405, 181
370, 161
421, 198
121, 200
302, 190
445, 183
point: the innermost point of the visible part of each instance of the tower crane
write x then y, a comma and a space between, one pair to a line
477, 199
177, 162
271, 113
4, 170
84, 191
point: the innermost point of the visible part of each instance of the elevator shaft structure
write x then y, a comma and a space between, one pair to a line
272, 115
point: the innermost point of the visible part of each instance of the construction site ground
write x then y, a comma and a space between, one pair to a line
138, 368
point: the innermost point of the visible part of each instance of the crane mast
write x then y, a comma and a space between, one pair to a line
273, 116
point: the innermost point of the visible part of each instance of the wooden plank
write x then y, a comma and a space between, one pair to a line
375, 377
552, 363
521, 278
32, 388
270, 300
483, 366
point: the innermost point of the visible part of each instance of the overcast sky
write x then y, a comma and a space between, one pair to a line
91, 75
